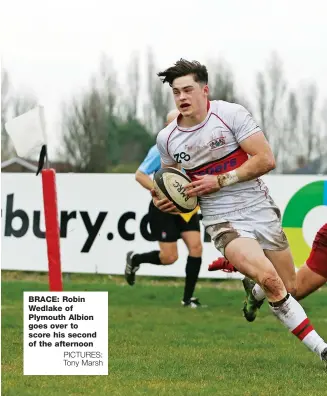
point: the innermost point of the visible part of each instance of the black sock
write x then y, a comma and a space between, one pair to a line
192, 273
149, 258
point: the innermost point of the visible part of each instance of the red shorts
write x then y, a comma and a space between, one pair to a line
317, 260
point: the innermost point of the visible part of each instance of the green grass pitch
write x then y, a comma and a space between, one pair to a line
156, 347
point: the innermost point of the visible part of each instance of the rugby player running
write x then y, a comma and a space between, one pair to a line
227, 154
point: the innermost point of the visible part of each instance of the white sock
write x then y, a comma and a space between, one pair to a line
258, 293
292, 315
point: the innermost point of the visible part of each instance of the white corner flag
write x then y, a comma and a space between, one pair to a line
27, 132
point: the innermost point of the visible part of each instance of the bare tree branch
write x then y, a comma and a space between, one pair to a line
309, 125
271, 89
86, 123
160, 101
133, 74
222, 82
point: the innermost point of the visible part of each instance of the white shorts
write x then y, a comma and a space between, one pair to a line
261, 222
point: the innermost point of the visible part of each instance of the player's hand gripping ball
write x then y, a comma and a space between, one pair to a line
169, 183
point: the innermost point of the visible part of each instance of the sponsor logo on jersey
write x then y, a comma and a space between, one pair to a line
223, 165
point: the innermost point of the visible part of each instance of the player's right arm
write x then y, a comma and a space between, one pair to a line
166, 162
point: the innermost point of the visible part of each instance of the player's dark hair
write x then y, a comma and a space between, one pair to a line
183, 68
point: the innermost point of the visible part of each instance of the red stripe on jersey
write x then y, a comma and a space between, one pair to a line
232, 161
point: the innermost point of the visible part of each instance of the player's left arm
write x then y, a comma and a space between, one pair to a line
252, 140
261, 161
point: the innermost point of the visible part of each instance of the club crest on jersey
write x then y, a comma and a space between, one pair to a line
216, 143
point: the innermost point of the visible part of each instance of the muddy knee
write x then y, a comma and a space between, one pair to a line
272, 285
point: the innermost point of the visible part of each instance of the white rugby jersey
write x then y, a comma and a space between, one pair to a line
213, 147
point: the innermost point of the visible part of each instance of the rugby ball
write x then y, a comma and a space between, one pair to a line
170, 183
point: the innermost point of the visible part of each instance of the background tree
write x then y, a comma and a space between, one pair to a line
99, 135
323, 139
309, 137
221, 82
159, 101
271, 98
133, 86
290, 154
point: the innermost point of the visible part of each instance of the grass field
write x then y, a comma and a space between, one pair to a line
157, 347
